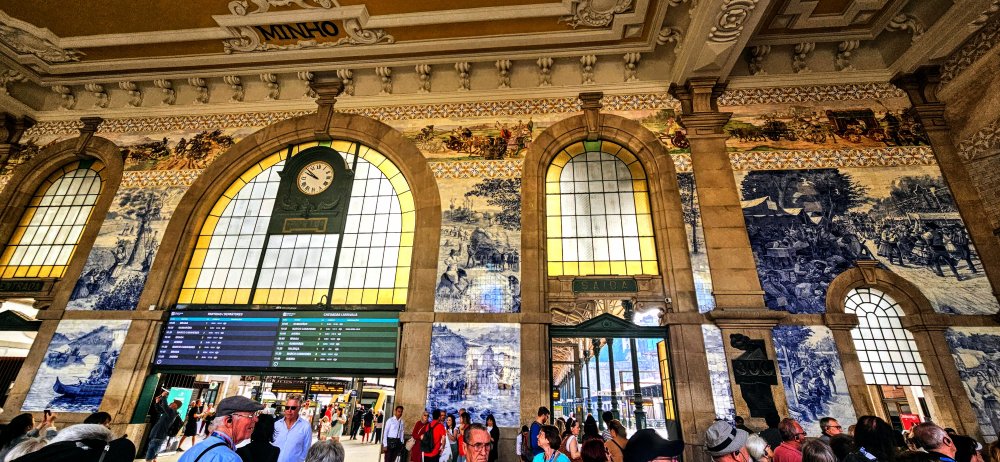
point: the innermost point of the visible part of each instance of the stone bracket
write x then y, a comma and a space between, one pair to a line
840, 321
868, 270
90, 125
327, 90
921, 87
591, 105
699, 98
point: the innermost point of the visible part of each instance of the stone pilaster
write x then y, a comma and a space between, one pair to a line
921, 87
841, 325
734, 272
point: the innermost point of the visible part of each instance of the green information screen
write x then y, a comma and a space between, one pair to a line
309, 339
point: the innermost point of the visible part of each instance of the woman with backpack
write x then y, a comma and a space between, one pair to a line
419, 428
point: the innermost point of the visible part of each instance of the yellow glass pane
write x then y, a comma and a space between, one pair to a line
408, 220
20, 271
406, 240
290, 297
208, 228
586, 267
388, 169
7, 253
199, 296
404, 256
649, 267
191, 280
639, 185
602, 267
372, 156
198, 258
553, 227
633, 267
645, 224
618, 267
342, 146
354, 297
32, 271
369, 296
9, 271
220, 206
384, 296
610, 147
554, 249
626, 156
399, 184
28, 215
402, 276
228, 297
574, 149
637, 171
203, 242
339, 297
552, 176
232, 191
551, 188
35, 201
251, 173
406, 202
552, 206
561, 159
647, 248
641, 203
274, 296
242, 296
58, 271
185, 296
302, 147
571, 268
399, 296
555, 269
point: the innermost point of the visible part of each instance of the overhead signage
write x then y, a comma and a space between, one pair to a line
328, 388
288, 387
604, 285
280, 341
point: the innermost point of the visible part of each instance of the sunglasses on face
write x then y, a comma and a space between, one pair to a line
291, 408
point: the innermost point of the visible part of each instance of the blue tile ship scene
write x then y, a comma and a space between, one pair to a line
77, 366
476, 367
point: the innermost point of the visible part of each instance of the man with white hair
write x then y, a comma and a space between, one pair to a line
79, 443
726, 443
234, 420
935, 441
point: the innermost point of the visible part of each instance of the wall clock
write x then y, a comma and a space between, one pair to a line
314, 178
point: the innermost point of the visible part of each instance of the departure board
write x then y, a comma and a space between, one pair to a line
284, 341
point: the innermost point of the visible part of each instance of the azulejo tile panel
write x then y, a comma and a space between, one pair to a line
977, 356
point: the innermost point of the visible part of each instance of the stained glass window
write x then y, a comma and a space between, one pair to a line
236, 262
598, 213
887, 352
44, 241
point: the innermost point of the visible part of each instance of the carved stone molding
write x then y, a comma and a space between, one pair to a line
241, 7
984, 142
987, 38
102, 99
756, 58
800, 55
423, 78
201, 88
385, 75
843, 60
235, 84
632, 66
308, 77
66, 93
590, 102
595, 13
347, 76
669, 35
27, 39
544, 71
169, 95
587, 63
906, 23
8, 78
729, 22
503, 73
273, 86
133, 91
464, 82
246, 40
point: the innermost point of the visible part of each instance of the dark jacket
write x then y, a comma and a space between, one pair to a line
495, 449
120, 450
162, 427
258, 451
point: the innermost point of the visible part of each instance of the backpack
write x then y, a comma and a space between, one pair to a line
525, 447
427, 441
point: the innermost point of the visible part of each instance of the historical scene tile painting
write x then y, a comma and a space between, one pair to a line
808, 226
977, 357
718, 371
77, 366
119, 262
696, 242
476, 367
815, 386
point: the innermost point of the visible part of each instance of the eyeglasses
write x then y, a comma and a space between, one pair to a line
480, 446
838, 427
291, 408
253, 415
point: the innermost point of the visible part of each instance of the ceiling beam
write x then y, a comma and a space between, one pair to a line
714, 41
959, 23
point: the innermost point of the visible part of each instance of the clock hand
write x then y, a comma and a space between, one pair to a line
311, 174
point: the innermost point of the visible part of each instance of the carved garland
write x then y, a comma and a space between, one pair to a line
729, 23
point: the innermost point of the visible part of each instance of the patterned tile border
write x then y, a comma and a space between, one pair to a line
507, 108
984, 142
509, 168
972, 50
159, 178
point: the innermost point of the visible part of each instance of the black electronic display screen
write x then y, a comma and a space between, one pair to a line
279, 341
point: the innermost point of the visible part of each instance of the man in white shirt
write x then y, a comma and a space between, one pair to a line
293, 434
392, 436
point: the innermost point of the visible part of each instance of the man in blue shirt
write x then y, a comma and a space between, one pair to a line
293, 434
536, 426
234, 420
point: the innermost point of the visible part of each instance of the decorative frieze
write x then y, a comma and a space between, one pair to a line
133, 91
984, 142
972, 50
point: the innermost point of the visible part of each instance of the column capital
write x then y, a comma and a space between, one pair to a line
699, 98
921, 88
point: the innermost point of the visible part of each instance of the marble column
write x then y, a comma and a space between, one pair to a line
921, 87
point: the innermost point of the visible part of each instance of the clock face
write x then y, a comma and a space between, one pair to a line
314, 178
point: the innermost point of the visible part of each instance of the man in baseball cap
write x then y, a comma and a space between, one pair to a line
646, 445
234, 420
726, 443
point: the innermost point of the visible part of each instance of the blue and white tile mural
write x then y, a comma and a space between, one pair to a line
815, 386
119, 262
77, 366
808, 226
696, 242
476, 367
977, 357
479, 263
718, 371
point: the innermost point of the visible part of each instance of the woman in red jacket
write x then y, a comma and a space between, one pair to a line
418, 431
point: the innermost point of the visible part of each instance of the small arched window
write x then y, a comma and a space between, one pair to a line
237, 261
886, 350
598, 213
46, 237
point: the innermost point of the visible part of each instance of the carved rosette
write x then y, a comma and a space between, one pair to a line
593, 13
729, 22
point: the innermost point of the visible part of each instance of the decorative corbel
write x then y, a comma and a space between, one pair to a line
463, 69
327, 91
669, 34
590, 102
843, 60
9, 77
273, 87
167, 87
102, 96
236, 84
385, 75
201, 87
802, 52
544, 71
66, 93
307, 77
587, 63
87, 131
905, 22
11, 130
632, 66
756, 58
424, 77
347, 76
503, 73
868, 270
134, 93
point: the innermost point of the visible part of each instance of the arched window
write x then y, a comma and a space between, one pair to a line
887, 352
238, 261
46, 237
598, 214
